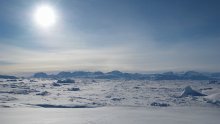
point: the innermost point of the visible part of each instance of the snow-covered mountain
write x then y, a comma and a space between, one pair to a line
7, 77
189, 75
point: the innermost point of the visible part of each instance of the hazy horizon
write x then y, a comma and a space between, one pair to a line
28, 74
96, 35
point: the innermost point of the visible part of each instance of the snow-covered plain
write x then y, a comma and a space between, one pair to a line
94, 101
110, 115
96, 93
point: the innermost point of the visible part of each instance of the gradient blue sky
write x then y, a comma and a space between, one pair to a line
127, 35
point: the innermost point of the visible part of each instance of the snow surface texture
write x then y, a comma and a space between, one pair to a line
111, 115
90, 93
102, 101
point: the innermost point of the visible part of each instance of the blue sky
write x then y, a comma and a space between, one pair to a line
127, 35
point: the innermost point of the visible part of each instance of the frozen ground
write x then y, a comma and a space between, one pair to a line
110, 115
95, 93
88, 101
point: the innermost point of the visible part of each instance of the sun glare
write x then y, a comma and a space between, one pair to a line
45, 16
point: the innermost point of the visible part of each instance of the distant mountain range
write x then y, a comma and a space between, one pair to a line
7, 77
189, 75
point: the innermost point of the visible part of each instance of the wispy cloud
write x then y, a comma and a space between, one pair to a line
129, 36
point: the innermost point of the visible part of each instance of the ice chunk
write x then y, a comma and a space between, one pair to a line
160, 104
213, 98
55, 84
74, 89
66, 81
44, 93
188, 91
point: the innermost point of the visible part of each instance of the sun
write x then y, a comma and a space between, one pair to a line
45, 16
